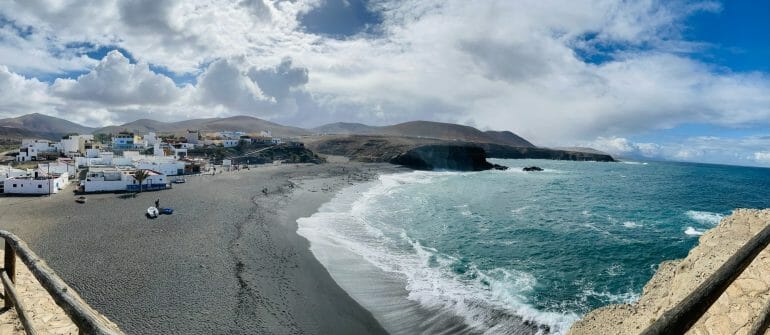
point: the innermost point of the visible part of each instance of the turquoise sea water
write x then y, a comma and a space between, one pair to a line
515, 252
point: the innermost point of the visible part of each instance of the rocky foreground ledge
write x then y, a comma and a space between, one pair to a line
733, 313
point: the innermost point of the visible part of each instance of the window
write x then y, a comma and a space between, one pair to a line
39, 186
14, 185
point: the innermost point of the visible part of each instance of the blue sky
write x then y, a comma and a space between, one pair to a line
672, 80
739, 35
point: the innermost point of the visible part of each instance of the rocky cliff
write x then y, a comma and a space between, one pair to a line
733, 313
376, 148
446, 157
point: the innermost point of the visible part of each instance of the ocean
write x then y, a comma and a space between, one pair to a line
512, 252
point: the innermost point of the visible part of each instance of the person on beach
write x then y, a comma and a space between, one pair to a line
157, 203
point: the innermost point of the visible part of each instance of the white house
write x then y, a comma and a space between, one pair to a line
57, 168
167, 166
157, 151
31, 149
105, 179
193, 136
76, 145
150, 139
38, 184
10, 172
112, 179
92, 153
229, 143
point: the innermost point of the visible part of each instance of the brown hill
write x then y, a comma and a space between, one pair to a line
345, 128
15, 134
428, 130
39, 125
235, 123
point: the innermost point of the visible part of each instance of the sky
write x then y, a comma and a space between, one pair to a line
646, 79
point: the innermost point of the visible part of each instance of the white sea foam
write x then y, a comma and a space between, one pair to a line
631, 224
693, 232
705, 217
620, 298
615, 270
517, 211
350, 221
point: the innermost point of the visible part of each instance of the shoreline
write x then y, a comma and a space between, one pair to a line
229, 260
385, 291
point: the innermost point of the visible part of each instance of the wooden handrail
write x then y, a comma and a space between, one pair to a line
686, 313
82, 315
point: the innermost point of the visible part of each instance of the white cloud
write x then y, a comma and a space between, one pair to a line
19, 95
614, 145
224, 84
115, 81
239, 88
762, 157
747, 150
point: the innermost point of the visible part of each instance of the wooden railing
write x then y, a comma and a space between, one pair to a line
83, 316
684, 315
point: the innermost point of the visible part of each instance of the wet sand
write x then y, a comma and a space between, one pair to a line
228, 261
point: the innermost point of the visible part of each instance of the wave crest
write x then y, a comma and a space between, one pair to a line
705, 217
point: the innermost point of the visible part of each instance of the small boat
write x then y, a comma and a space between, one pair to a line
178, 180
167, 211
152, 212
81, 199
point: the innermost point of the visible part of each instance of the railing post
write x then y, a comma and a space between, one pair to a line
9, 266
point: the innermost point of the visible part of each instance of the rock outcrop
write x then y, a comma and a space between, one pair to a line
446, 157
733, 313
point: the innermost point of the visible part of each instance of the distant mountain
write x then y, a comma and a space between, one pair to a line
142, 126
235, 123
39, 125
583, 149
508, 138
427, 129
343, 128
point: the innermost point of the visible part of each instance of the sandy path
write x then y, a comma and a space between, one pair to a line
47, 317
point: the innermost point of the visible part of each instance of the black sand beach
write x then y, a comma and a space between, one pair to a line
228, 261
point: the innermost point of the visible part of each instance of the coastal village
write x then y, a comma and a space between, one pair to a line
123, 162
